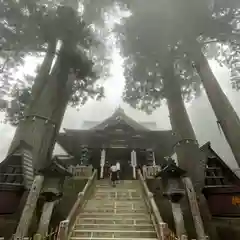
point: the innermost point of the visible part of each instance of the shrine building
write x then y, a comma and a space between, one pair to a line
118, 138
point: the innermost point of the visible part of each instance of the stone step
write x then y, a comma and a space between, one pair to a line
117, 194
119, 203
115, 215
114, 210
119, 191
139, 227
109, 208
113, 233
118, 188
116, 204
126, 221
97, 238
123, 196
119, 185
107, 181
119, 198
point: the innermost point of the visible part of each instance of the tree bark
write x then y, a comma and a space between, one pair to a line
44, 116
189, 155
44, 71
225, 113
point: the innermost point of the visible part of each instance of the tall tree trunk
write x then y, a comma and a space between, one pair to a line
225, 113
45, 114
38, 85
189, 155
44, 71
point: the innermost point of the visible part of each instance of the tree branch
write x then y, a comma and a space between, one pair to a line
4, 65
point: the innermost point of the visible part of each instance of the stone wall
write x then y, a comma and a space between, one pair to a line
162, 203
71, 189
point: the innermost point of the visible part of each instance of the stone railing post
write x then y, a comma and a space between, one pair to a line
163, 228
63, 230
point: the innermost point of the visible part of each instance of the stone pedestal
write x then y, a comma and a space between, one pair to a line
45, 218
194, 209
29, 208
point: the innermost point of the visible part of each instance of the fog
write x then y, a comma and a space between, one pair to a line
200, 112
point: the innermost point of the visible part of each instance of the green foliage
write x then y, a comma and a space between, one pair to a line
28, 28
155, 28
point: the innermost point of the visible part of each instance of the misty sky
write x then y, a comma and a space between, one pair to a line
201, 114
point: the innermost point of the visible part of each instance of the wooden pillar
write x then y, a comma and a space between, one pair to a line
102, 162
194, 209
134, 163
154, 160
144, 172
45, 218
29, 208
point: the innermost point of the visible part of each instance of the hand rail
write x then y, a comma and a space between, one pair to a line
66, 225
163, 232
161, 227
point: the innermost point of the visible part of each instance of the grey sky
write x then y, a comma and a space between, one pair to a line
200, 111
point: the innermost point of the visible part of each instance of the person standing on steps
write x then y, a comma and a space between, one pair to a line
118, 171
113, 170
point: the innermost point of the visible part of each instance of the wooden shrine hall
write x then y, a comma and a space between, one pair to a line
118, 138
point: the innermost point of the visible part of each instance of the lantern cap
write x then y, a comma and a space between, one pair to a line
171, 170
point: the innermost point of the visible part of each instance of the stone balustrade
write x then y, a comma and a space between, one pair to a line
149, 172
81, 172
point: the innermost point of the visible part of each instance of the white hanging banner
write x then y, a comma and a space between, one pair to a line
133, 159
154, 160
103, 156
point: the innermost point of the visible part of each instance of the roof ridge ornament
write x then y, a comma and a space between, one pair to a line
119, 109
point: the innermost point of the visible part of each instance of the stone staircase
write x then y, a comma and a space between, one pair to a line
114, 213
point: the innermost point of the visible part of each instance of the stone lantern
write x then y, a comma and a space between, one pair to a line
51, 193
171, 174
